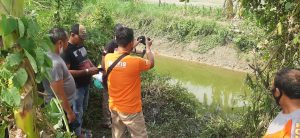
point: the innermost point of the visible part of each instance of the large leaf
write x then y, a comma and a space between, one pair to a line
39, 54
27, 44
8, 24
32, 61
33, 28
21, 28
14, 59
20, 78
11, 97
8, 41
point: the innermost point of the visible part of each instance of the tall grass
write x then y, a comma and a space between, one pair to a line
204, 25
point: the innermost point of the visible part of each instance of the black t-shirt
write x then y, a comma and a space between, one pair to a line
76, 56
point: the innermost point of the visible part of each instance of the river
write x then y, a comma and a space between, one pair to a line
216, 87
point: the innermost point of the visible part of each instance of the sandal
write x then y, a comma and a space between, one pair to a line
85, 133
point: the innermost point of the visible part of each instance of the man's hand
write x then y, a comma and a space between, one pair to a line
136, 43
93, 70
71, 117
149, 53
149, 43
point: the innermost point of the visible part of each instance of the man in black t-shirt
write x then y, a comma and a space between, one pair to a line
81, 68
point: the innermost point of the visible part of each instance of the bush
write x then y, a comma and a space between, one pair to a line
244, 44
170, 110
100, 26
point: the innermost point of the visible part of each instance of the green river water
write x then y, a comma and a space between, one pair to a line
213, 86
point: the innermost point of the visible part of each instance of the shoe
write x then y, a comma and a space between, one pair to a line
85, 133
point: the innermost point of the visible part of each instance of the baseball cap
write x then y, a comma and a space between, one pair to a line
79, 30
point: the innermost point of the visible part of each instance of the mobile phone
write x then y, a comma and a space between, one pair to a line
100, 69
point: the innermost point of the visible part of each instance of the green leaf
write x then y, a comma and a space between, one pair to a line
53, 106
2, 130
39, 54
48, 61
32, 61
27, 44
288, 6
38, 78
14, 59
296, 39
21, 28
33, 28
46, 45
8, 41
11, 97
20, 78
8, 25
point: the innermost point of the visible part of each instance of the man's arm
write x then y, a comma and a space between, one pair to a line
58, 88
80, 73
149, 53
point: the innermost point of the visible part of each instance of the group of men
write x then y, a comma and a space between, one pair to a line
72, 71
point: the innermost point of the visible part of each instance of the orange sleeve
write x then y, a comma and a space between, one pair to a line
144, 64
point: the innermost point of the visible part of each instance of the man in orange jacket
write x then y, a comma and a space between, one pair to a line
286, 91
124, 86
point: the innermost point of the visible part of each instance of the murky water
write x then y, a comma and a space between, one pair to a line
212, 85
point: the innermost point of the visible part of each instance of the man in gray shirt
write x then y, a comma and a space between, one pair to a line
62, 82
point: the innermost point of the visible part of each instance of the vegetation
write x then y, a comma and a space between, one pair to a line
170, 110
23, 64
279, 49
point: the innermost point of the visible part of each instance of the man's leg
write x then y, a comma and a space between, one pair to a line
117, 128
105, 109
78, 108
86, 98
135, 124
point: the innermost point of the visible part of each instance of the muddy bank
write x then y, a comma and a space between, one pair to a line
221, 56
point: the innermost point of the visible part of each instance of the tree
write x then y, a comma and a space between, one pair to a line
24, 63
280, 49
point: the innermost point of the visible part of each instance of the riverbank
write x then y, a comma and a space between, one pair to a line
222, 56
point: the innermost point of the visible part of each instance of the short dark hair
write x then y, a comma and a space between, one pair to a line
111, 46
75, 29
288, 81
118, 26
57, 34
124, 36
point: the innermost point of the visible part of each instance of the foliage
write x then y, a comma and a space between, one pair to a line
279, 49
200, 24
55, 13
170, 110
20, 58
99, 25
24, 63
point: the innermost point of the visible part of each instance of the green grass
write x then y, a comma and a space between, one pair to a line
202, 24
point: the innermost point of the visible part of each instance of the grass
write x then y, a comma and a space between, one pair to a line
205, 25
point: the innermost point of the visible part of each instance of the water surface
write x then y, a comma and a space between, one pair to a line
213, 86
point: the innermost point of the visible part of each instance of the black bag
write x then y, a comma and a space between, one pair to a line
110, 68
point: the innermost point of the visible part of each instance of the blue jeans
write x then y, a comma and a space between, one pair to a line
80, 105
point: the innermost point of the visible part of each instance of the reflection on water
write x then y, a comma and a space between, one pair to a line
211, 85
